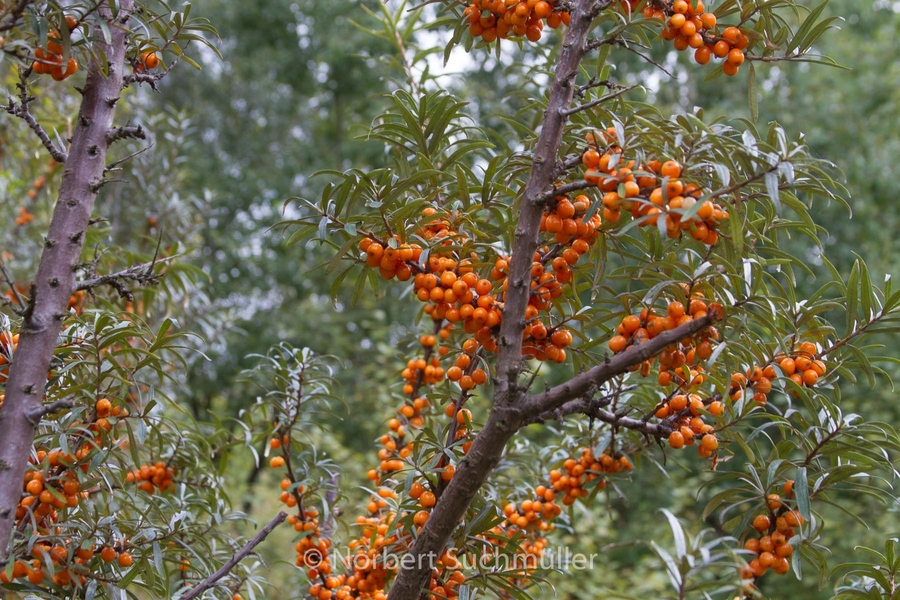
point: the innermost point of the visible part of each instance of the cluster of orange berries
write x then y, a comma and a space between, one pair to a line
49, 60
66, 571
772, 546
580, 472
801, 367
152, 477
24, 217
44, 494
650, 191
684, 414
419, 370
690, 26
634, 330
492, 19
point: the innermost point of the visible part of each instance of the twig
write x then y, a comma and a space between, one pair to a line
12, 286
227, 567
582, 383
21, 110
598, 101
846, 339
113, 165
142, 274
573, 186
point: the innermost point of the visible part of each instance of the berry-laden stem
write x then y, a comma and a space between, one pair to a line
541, 404
55, 278
505, 419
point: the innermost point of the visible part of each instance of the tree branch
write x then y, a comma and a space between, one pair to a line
122, 133
37, 413
242, 553
589, 105
582, 384
141, 274
21, 111
505, 418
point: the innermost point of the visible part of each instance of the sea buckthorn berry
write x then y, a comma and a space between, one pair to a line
761, 523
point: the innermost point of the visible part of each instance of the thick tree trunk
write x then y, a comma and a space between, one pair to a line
55, 278
505, 418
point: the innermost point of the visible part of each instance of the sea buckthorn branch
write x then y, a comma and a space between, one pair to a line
505, 418
619, 91
21, 111
55, 277
855, 333
580, 406
127, 132
142, 275
572, 186
38, 412
620, 363
238, 557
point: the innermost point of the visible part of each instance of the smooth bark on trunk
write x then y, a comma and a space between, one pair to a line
55, 280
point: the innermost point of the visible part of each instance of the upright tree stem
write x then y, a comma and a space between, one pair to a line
55, 280
505, 418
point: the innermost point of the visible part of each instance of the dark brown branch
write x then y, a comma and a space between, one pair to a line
21, 111
850, 336
583, 384
572, 186
589, 407
579, 406
237, 558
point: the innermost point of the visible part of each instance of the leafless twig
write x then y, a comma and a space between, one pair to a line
242, 553
20, 110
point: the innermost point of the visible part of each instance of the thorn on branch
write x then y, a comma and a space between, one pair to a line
115, 164
123, 133
99, 183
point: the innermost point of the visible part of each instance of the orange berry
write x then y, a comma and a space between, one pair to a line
676, 440
761, 523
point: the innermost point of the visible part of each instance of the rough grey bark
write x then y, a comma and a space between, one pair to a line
55, 280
